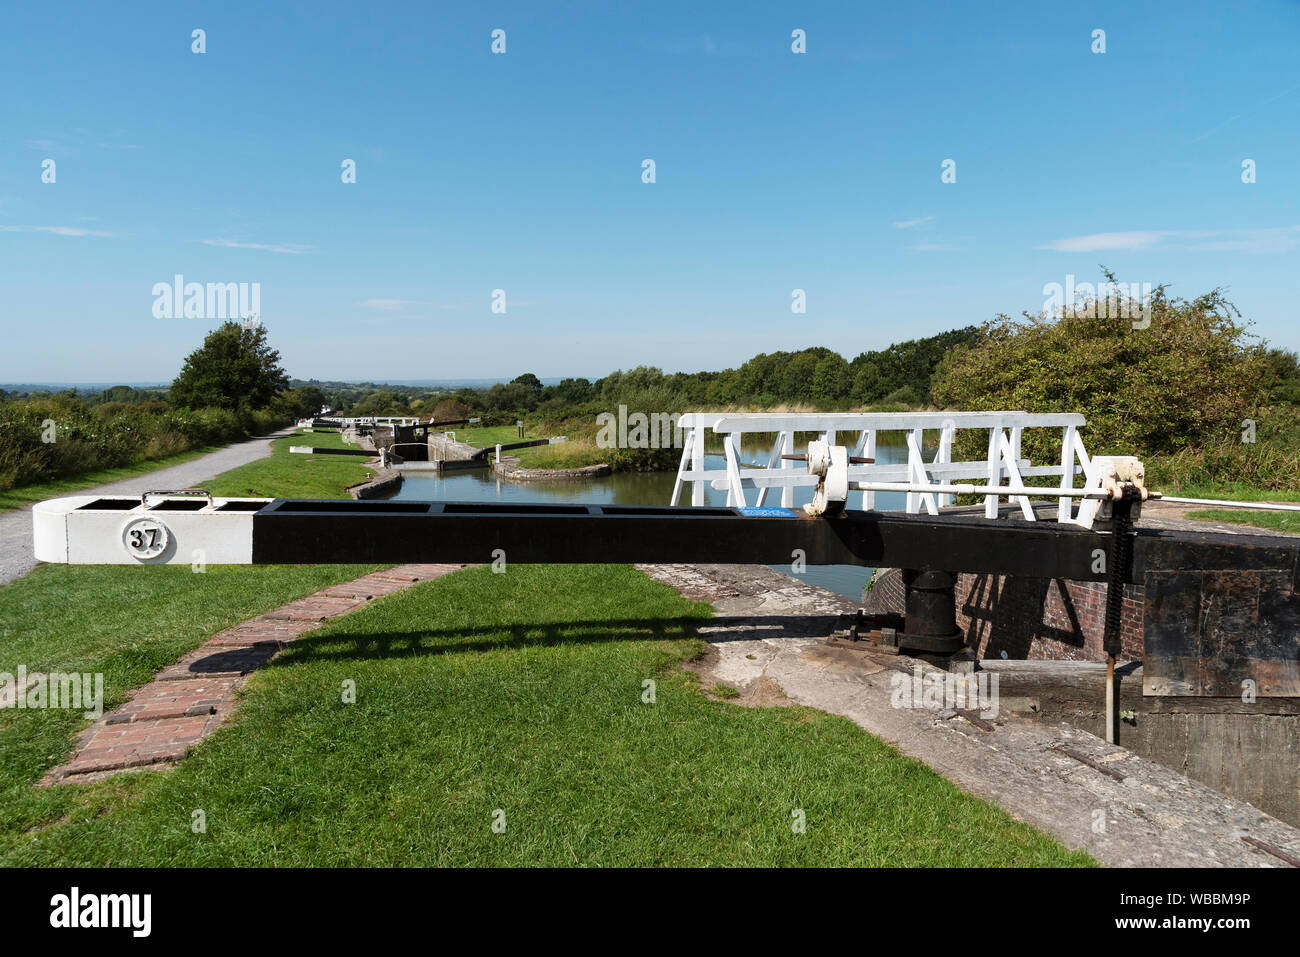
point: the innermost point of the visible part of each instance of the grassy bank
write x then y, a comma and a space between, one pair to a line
294, 475
1277, 521
125, 623
28, 494
489, 436
1240, 492
128, 623
570, 454
519, 693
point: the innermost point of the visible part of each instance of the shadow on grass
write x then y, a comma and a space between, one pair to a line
346, 645
349, 645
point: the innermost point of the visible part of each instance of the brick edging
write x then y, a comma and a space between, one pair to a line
187, 701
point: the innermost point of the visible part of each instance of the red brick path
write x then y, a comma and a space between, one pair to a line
189, 700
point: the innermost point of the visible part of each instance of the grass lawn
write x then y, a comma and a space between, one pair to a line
1278, 521
286, 474
485, 436
1239, 491
126, 623
566, 455
27, 494
477, 693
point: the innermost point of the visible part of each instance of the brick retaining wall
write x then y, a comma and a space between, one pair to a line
1028, 618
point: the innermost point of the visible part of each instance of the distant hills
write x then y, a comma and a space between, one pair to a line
79, 386
450, 385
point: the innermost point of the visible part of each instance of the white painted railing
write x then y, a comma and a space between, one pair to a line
379, 420
1004, 460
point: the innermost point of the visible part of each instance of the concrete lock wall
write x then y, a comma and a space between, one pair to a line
1050, 632
443, 449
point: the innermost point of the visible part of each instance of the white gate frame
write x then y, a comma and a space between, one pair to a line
1004, 460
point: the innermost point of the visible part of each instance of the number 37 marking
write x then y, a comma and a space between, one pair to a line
145, 538
138, 538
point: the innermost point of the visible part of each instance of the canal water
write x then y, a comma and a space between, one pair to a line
643, 488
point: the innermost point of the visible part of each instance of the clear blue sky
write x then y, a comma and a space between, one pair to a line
522, 171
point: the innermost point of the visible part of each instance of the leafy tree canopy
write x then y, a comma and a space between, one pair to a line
235, 368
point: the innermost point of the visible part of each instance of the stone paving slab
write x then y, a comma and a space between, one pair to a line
189, 700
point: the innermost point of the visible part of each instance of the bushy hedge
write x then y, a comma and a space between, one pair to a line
88, 438
1271, 461
1186, 380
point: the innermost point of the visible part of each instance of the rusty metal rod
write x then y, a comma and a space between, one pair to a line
1110, 699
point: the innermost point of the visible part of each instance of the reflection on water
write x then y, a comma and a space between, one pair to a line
641, 488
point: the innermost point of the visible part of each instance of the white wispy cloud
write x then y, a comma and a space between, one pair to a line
1095, 242
933, 247
58, 231
294, 248
1273, 239
912, 223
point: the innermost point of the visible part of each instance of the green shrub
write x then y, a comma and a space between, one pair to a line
1185, 382
89, 438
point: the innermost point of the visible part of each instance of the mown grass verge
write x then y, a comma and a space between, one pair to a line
1277, 521
126, 623
288, 474
1243, 492
571, 454
521, 699
489, 436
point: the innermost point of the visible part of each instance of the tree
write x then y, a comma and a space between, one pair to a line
1188, 378
831, 378
795, 384
1284, 379
904, 366
303, 401
234, 369
449, 410
382, 402
514, 397
528, 381
572, 391
119, 393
